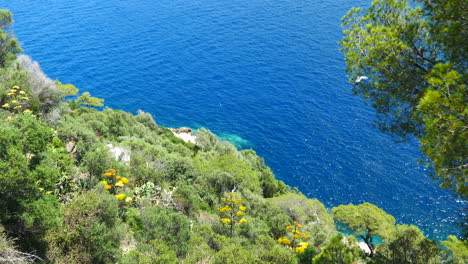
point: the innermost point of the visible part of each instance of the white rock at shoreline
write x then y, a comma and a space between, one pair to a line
187, 137
364, 247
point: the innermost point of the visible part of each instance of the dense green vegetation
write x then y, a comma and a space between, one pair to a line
87, 185
415, 59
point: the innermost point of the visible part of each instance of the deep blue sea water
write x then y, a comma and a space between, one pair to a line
265, 74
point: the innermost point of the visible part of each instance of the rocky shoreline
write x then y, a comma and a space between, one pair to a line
185, 133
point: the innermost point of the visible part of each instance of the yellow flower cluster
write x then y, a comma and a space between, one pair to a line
224, 208
230, 208
297, 224
116, 181
302, 247
299, 250
225, 220
231, 199
232, 211
17, 101
121, 196
106, 184
284, 241
111, 172
296, 234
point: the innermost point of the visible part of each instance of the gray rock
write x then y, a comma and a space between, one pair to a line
120, 154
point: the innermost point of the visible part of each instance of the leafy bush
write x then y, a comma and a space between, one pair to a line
165, 224
315, 218
338, 252
408, 245
89, 232
154, 252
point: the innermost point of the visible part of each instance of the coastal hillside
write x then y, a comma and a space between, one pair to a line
83, 183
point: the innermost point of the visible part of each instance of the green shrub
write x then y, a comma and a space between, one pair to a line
97, 161
165, 224
312, 213
35, 135
232, 252
89, 232
408, 245
338, 252
224, 173
199, 252
153, 252
188, 199
271, 187
268, 251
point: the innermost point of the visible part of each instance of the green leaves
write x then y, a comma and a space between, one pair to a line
444, 115
458, 249
382, 43
415, 62
408, 246
365, 220
67, 89
9, 46
87, 99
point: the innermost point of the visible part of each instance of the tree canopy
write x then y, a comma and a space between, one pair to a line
408, 245
86, 99
9, 46
414, 59
366, 221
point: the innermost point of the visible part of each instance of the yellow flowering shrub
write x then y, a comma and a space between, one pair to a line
232, 211
16, 102
115, 182
296, 234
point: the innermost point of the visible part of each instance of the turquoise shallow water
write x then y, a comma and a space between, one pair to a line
263, 74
